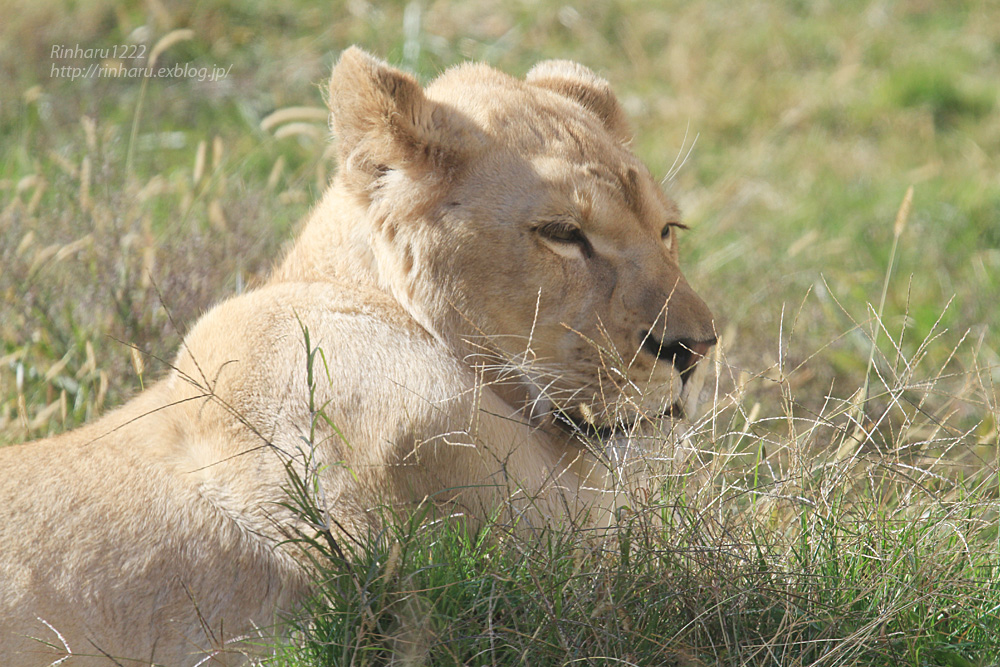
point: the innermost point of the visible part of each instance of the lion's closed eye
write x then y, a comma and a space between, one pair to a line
565, 237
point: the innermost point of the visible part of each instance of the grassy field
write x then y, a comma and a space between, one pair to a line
841, 506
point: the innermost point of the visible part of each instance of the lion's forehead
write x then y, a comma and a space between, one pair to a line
517, 114
573, 158
607, 192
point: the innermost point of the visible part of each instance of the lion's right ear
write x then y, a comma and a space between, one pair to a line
581, 84
383, 121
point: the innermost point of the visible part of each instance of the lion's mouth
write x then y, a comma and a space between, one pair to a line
576, 422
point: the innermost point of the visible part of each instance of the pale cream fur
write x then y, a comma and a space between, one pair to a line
456, 311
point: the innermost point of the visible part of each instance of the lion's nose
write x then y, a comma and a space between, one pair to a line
683, 353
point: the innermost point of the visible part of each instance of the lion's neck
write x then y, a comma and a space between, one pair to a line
336, 246
333, 246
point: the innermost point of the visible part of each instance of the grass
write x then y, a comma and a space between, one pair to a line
839, 504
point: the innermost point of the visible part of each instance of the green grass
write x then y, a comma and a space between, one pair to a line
811, 524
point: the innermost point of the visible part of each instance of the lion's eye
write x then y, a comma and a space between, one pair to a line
565, 233
562, 232
668, 232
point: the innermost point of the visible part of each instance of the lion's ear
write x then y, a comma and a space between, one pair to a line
383, 121
580, 84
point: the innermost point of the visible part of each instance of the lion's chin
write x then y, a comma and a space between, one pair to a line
580, 421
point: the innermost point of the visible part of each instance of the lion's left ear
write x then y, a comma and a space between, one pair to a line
383, 121
581, 84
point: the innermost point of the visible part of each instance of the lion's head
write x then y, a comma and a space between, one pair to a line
510, 218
